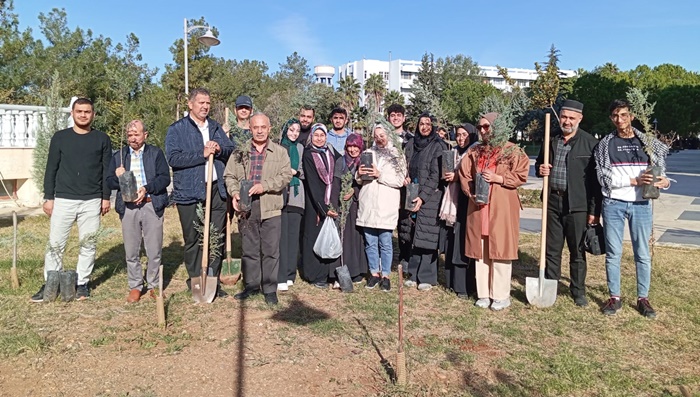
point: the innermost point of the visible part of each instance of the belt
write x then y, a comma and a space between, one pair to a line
147, 200
560, 193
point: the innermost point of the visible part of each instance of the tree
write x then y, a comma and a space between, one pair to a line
596, 91
296, 73
349, 91
54, 121
16, 50
462, 100
393, 97
545, 89
375, 87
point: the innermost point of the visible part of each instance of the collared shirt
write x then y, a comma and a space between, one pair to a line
559, 173
256, 163
137, 166
204, 130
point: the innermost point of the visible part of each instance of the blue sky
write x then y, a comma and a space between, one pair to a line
508, 32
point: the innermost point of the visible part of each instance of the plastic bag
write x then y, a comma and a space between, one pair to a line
327, 244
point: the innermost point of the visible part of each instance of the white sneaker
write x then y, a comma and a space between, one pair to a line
424, 287
483, 303
282, 287
336, 285
500, 305
290, 283
409, 283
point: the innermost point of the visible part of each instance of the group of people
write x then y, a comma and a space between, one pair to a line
460, 201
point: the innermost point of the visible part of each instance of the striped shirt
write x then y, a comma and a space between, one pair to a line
137, 166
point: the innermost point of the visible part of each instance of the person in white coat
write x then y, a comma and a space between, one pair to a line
379, 201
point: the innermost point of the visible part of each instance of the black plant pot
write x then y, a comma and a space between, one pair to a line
245, 200
127, 186
651, 191
366, 160
448, 162
411, 194
481, 189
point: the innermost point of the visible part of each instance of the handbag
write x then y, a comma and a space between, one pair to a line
594, 239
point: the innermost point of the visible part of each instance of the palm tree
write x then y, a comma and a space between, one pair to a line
375, 87
393, 97
349, 90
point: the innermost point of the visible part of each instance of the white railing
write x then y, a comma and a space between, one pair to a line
19, 124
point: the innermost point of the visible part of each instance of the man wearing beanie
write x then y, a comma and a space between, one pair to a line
574, 196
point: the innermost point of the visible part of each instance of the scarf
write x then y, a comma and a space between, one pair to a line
293, 153
448, 207
326, 174
602, 157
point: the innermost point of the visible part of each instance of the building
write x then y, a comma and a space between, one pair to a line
324, 74
399, 74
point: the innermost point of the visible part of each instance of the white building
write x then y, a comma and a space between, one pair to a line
400, 74
324, 74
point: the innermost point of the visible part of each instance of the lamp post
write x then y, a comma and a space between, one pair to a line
207, 39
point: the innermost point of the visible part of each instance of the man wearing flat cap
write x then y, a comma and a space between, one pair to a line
240, 131
574, 196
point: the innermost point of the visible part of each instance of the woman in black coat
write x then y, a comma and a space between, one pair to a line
422, 227
318, 162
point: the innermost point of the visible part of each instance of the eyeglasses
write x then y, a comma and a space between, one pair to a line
484, 127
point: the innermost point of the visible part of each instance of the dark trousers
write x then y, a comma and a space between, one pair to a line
261, 249
289, 246
193, 248
570, 227
404, 245
423, 266
460, 278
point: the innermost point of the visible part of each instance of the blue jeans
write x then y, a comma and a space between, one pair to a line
378, 245
639, 218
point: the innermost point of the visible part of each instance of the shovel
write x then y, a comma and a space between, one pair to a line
13, 270
204, 287
400, 355
230, 274
160, 301
539, 291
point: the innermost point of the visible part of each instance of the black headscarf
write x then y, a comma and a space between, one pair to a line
472, 136
420, 142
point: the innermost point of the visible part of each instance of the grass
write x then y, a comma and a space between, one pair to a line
453, 349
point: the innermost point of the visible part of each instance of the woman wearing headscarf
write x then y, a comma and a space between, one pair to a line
353, 240
294, 207
318, 163
379, 203
422, 227
493, 229
459, 271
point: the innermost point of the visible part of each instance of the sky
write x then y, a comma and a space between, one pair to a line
509, 33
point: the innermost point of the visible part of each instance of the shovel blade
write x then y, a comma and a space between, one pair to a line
197, 290
544, 297
210, 290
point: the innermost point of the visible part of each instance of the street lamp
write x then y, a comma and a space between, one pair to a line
207, 39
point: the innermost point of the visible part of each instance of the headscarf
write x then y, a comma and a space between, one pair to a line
357, 141
420, 142
491, 117
293, 152
323, 168
472, 136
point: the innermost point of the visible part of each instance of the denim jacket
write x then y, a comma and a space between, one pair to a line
157, 177
184, 149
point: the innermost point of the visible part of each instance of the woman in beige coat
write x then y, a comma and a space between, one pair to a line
379, 198
492, 229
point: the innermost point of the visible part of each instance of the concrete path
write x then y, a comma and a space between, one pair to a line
676, 212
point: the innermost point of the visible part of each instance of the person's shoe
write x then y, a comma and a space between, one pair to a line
290, 283
612, 306
424, 287
134, 295
82, 292
463, 296
409, 283
336, 285
483, 303
499, 305
357, 279
645, 309
246, 293
581, 301
372, 282
282, 287
271, 298
321, 285
221, 294
39, 296
385, 285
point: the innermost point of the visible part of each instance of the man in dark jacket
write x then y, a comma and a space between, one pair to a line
188, 144
143, 217
574, 196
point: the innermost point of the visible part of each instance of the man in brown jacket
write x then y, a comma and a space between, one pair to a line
267, 165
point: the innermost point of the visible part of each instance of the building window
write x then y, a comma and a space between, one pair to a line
365, 75
406, 75
11, 186
385, 75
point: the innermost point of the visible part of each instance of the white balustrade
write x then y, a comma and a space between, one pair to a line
19, 124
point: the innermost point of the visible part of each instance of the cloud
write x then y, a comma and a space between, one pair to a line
294, 32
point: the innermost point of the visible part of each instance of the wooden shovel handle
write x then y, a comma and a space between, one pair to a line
207, 216
545, 195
